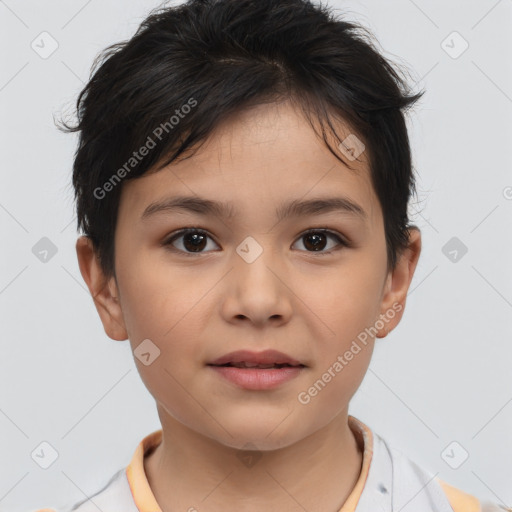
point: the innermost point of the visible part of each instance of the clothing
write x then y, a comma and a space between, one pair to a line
389, 481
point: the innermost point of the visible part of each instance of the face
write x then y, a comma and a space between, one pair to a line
311, 284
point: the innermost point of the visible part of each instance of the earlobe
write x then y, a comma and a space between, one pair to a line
103, 291
398, 282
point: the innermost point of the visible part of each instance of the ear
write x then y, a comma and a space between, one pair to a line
104, 291
397, 284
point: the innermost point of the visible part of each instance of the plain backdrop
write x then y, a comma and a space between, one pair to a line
440, 384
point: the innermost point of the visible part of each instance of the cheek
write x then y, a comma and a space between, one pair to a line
168, 309
345, 308
154, 296
332, 387
169, 319
161, 314
344, 303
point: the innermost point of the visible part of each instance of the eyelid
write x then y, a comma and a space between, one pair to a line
167, 242
328, 231
343, 242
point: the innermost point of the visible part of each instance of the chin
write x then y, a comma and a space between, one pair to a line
257, 443
261, 436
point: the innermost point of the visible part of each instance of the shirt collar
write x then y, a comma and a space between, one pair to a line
145, 500
141, 491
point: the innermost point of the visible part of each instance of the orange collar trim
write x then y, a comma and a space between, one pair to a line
145, 500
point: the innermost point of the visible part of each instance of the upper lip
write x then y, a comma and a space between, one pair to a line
264, 357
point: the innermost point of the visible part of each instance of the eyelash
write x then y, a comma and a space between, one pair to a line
177, 234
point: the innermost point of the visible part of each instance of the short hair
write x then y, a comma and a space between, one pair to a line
191, 66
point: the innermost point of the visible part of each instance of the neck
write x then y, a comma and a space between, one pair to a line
317, 473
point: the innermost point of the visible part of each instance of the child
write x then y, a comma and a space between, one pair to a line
242, 179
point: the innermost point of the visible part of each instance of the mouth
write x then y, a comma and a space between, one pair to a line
257, 371
267, 359
256, 366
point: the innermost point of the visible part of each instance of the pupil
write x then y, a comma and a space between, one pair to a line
317, 241
196, 239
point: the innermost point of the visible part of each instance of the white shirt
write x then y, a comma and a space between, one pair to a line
389, 482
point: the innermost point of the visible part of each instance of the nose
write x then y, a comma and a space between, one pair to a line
257, 289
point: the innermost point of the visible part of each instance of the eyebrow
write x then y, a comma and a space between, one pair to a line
294, 208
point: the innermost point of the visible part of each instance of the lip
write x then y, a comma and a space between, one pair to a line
258, 378
264, 357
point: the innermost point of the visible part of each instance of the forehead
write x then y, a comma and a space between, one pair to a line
259, 158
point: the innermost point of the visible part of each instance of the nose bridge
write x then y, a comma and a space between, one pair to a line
258, 292
254, 257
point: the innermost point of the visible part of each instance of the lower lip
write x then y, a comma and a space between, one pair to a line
258, 378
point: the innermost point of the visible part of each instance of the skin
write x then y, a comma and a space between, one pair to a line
291, 298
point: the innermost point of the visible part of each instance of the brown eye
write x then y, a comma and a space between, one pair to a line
316, 240
191, 241
194, 242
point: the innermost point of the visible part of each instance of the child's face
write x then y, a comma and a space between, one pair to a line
198, 306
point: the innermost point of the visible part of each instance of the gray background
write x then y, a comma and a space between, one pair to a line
442, 375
